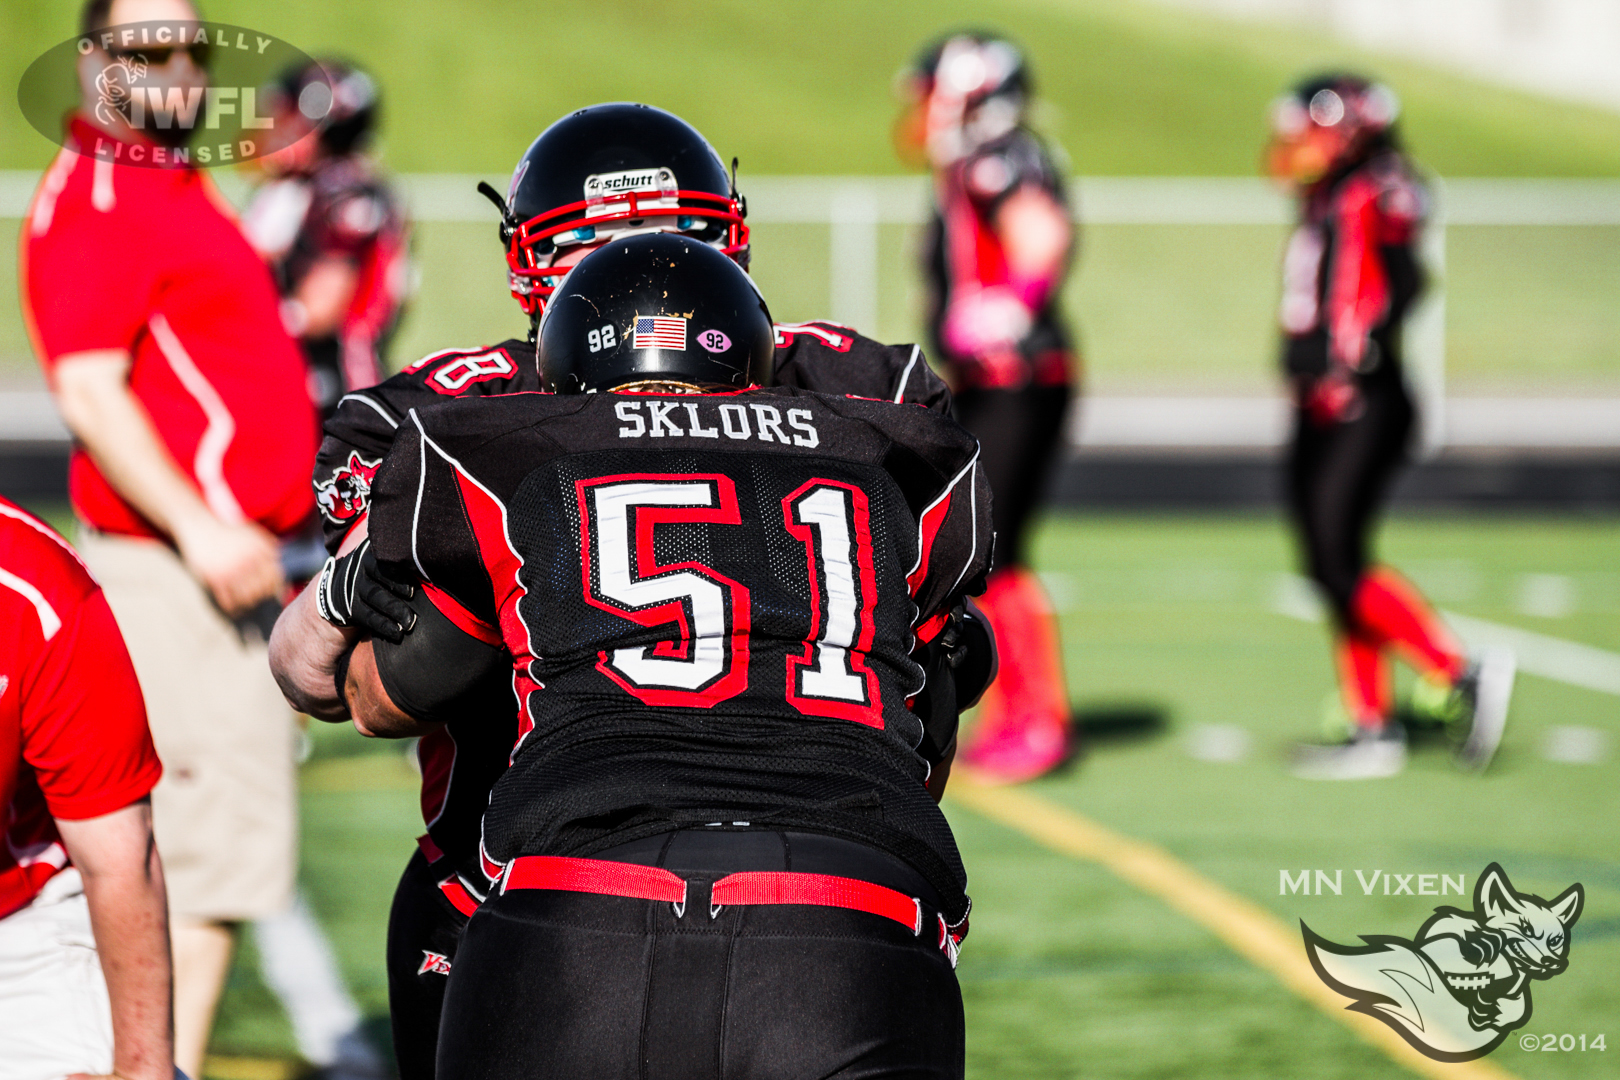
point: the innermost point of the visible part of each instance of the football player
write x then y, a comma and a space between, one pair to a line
1000, 244
605, 171
718, 838
331, 227
1351, 275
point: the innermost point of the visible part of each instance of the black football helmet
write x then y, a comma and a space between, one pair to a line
337, 94
608, 171
1328, 123
659, 309
966, 89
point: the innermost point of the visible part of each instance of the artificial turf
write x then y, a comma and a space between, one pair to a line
1171, 623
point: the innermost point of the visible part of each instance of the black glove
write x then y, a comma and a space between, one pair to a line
973, 656
353, 591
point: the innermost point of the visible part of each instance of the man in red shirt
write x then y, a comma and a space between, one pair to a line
79, 874
195, 437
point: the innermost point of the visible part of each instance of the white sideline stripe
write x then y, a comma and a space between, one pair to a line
1101, 200
1264, 422
1550, 657
1559, 659
1249, 423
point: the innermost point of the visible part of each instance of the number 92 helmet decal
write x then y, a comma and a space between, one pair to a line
608, 171
660, 310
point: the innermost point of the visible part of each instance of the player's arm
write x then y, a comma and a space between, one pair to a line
1358, 287
449, 661
322, 298
238, 562
313, 638
308, 656
1036, 234
959, 663
955, 537
360, 431
129, 915
85, 736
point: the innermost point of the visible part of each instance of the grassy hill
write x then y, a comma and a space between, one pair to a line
805, 87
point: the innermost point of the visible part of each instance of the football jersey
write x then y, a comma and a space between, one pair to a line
821, 356
342, 209
710, 602
150, 261
74, 742
961, 250
1351, 271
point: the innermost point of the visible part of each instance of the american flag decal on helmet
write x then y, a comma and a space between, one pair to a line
660, 332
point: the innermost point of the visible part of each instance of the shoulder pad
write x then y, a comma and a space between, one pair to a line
832, 335
504, 368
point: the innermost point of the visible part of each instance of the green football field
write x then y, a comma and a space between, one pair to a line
1176, 642
1127, 89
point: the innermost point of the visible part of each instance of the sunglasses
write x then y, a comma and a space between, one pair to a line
159, 56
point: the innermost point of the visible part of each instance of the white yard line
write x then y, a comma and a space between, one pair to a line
1560, 659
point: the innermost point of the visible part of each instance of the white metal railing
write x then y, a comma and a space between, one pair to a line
853, 208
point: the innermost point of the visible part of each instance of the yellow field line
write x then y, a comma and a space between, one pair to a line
223, 1067
1249, 929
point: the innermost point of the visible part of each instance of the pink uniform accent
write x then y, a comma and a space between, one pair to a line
1022, 730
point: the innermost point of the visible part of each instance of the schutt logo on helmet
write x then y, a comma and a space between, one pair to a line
173, 92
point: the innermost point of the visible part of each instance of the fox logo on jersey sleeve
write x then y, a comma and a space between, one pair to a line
342, 497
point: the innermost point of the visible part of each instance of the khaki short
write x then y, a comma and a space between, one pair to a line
225, 812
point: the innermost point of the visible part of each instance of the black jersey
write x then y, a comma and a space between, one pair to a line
710, 602
1352, 271
342, 209
961, 250
460, 763
821, 356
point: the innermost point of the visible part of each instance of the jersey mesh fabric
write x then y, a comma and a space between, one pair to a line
73, 737
819, 356
470, 492
148, 261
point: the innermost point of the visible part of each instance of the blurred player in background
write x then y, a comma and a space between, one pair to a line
1351, 274
332, 228
632, 932
159, 331
552, 216
84, 923
998, 250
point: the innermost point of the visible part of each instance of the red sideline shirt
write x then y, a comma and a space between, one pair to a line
73, 737
149, 260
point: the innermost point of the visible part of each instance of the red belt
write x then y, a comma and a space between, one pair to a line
606, 878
